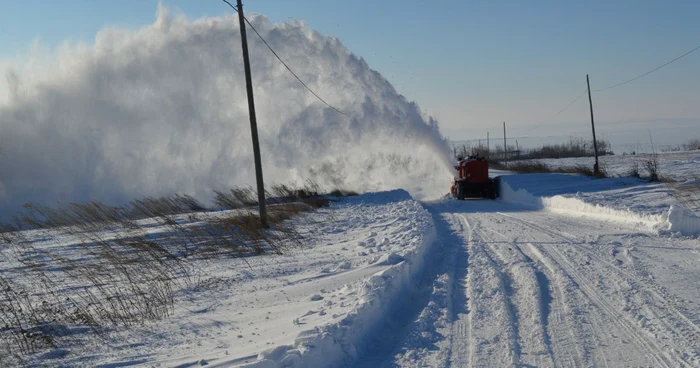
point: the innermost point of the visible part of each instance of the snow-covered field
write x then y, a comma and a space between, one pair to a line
563, 270
350, 269
675, 165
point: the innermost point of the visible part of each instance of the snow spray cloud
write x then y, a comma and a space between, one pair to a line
163, 110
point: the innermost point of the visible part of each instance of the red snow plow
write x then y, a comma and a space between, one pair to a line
472, 180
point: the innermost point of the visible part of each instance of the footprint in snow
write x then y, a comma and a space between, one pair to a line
308, 313
343, 266
316, 297
390, 259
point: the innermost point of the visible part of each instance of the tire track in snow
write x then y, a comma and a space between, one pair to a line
460, 334
658, 356
655, 302
582, 328
649, 346
545, 299
494, 324
566, 340
653, 290
525, 291
576, 340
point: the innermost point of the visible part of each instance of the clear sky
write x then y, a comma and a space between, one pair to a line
471, 64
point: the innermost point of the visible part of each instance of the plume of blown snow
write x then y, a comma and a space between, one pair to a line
163, 110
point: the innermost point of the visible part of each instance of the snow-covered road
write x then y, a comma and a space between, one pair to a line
561, 271
518, 287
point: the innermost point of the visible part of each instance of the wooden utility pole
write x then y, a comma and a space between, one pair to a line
505, 147
488, 146
596, 170
253, 120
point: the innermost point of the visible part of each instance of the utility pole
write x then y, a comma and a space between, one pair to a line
505, 147
517, 150
596, 170
488, 146
253, 120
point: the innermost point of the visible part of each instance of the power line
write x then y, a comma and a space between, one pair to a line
285, 64
613, 86
529, 130
649, 72
558, 113
569, 105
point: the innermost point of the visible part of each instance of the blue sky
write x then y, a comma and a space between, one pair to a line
472, 64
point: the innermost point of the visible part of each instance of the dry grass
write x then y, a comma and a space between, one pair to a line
94, 214
339, 192
634, 171
102, 282
686, 194
125, 264
574, 148
236, 198
651, 165
691, 145
585, 170
649, 170
530, 167
495, 164
308, 193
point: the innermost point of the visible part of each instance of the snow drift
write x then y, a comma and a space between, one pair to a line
163, 110
683, 221
660, 218
340, 343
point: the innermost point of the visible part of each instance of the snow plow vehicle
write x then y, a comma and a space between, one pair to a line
473, 181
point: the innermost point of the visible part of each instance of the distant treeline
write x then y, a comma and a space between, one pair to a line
691, 145
574, 148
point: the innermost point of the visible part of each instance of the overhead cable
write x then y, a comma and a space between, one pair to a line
285, 64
